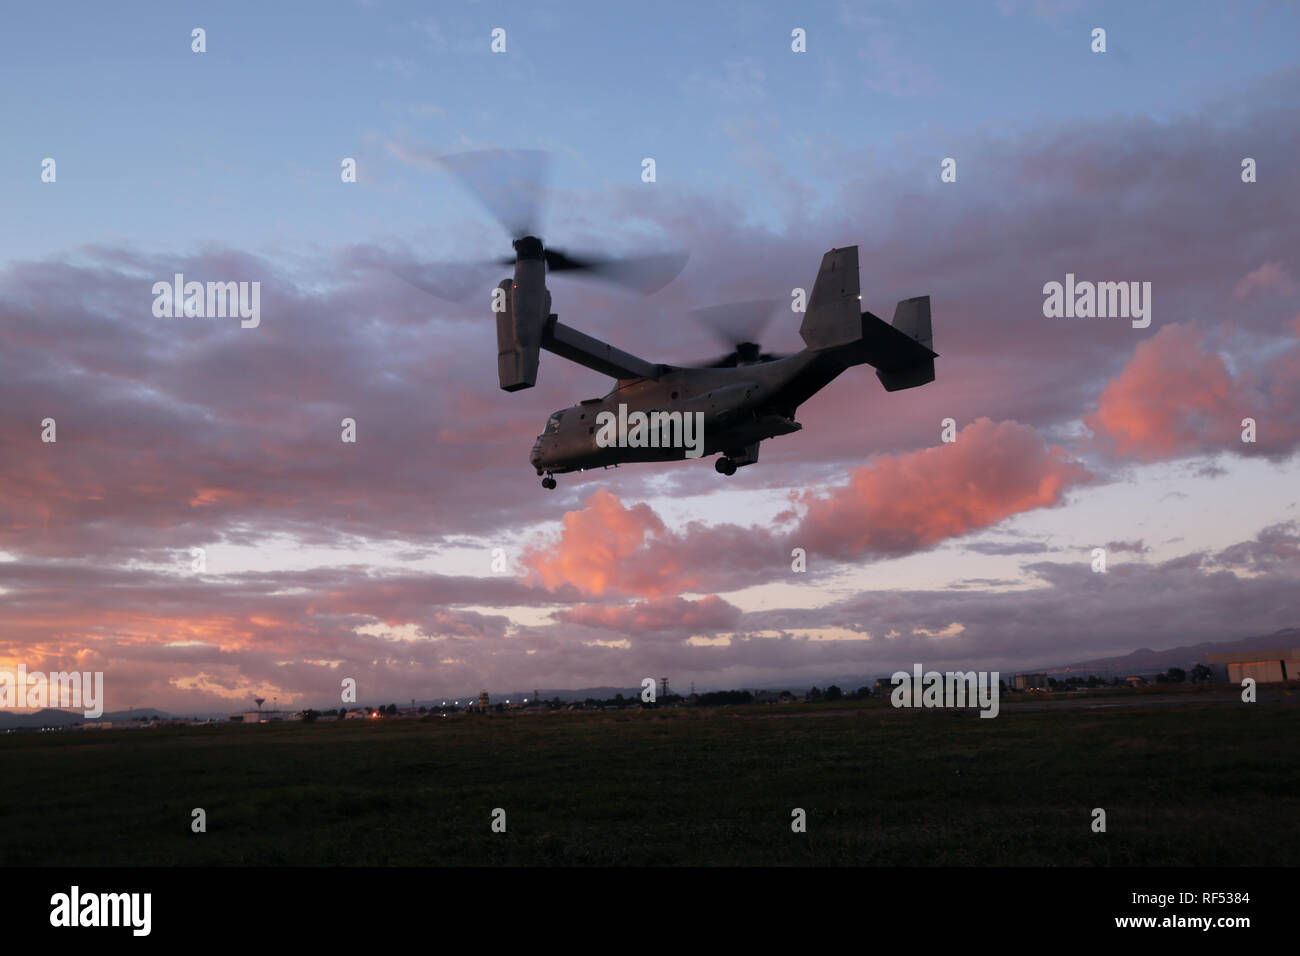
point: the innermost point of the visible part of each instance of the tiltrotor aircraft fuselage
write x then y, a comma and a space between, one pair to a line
734, 405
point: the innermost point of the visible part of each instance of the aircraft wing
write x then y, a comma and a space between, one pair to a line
593, 353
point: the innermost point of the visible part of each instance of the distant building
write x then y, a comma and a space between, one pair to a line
1135, 681
483, 699
1032, 682
1265, 667
264, 716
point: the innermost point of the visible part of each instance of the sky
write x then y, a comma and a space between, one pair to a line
374, 560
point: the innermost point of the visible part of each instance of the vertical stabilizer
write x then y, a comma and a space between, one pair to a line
834, 311
912, 318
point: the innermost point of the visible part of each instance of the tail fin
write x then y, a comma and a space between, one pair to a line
834, 311
910, 366
902, 353
912, 316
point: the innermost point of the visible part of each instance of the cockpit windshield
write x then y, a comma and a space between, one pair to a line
553, 423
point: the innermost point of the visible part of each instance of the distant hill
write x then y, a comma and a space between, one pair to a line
50, 717
1145, 662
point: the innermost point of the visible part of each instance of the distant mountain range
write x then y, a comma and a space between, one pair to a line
50, 717
1140, 663
1146, 662
1143, 662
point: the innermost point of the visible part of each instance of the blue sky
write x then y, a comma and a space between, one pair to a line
160, 147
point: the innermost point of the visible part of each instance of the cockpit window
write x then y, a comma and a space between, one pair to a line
553, 423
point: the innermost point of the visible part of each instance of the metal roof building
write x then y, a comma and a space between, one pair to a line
1266, 667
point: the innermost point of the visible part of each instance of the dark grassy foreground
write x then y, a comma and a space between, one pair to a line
1181, 784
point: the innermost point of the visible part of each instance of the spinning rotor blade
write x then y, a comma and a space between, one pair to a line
733, 323
508, 182
746, 354
451, 281
739, 326
645, 274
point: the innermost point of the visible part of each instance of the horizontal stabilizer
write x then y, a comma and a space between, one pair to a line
903, 352
920, 374
886, 347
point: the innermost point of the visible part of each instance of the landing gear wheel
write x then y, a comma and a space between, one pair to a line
725, 466
548, 482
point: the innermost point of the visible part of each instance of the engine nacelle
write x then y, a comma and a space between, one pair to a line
527, 303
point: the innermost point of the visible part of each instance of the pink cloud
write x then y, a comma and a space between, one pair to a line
598, 547
899, 504
1270, 277
894, 506
672, 614
1176, 396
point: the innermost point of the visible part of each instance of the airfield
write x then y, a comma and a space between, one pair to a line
1184, 779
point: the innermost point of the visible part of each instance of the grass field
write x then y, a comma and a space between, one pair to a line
1182, 784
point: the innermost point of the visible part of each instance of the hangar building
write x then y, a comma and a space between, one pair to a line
1266, 667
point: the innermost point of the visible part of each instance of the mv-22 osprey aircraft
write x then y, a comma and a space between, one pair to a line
744, 399
741, 399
